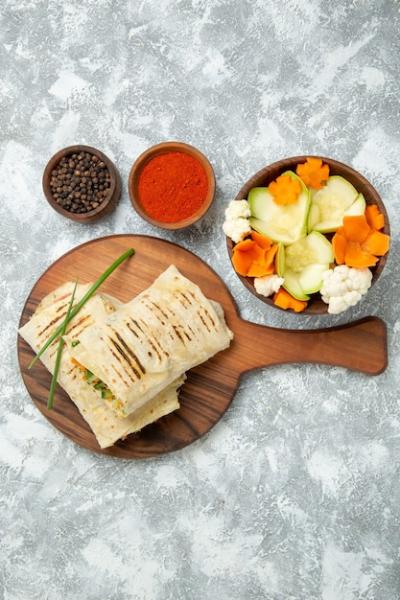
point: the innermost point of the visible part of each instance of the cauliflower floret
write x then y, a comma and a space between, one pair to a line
237, 224
343, 287
236, 229
268, 285
237, 209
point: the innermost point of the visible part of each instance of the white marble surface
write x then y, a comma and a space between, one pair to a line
295, 494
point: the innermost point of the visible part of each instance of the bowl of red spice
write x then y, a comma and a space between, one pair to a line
172, 185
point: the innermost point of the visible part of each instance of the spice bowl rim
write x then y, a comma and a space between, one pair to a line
105, 207
163, 148
268, 173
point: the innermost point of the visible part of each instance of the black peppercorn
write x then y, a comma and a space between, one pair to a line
80, 182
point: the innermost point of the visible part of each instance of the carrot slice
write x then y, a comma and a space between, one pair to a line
377, 243
284, 300
245, 254
358, 258
375, 219
339, 243
259, 270
244, 245
356, 229
270, 254
285, 189
313, 172
261, 240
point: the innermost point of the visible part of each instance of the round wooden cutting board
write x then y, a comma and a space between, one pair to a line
209, 388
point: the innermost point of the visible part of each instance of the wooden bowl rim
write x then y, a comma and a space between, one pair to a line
105, 207
371, 197
162, 148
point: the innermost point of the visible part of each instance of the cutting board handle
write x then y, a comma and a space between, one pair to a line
360, 346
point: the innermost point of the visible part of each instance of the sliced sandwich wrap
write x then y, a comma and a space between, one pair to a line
151, 341
87, 392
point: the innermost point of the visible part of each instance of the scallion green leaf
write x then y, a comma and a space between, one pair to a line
57, 364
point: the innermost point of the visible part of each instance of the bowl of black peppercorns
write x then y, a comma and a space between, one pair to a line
81, 183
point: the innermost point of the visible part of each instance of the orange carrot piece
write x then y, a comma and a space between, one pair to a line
356, 229
358, 258
339, 243
261, 240
313, 172
270, 255
375, 219
244, 245
259, 270
245, 254
285, 190
377, 243
285, 300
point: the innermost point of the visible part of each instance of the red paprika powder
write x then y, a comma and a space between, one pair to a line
172, 187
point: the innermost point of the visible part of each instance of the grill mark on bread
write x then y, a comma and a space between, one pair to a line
203, 321
75, 325
148, 306
119, 375
52, 322
124, 356
129, 351
209, 316
132, 330
160, 309
177, 332
61, 307
145, 337
186, 298
154, 339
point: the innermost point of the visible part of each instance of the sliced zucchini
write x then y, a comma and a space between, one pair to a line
280, 260
314, 249
357, 208
285, 224
292, 285
310, 278
330, 203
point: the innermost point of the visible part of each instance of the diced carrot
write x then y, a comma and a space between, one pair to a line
339, 243
252, 260
313, 172
375, 219
377, 243
358, 258
259, 270
285, 300
261, 240
285, 189
356, 228
244, 254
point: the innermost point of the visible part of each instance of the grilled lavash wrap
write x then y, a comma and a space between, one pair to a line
144, 346
97, 412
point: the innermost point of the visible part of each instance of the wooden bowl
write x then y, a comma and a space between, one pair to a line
105, 207
315, 305
134, 175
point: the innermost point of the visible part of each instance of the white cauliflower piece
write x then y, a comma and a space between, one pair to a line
344, 286
237, 224
237, 229
268, 285
237, 209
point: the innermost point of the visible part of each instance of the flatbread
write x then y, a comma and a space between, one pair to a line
97, 412
153, 339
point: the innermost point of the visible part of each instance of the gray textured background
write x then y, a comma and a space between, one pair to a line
295, 494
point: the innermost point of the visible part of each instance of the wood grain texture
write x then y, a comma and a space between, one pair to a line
264, 177
210, 387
